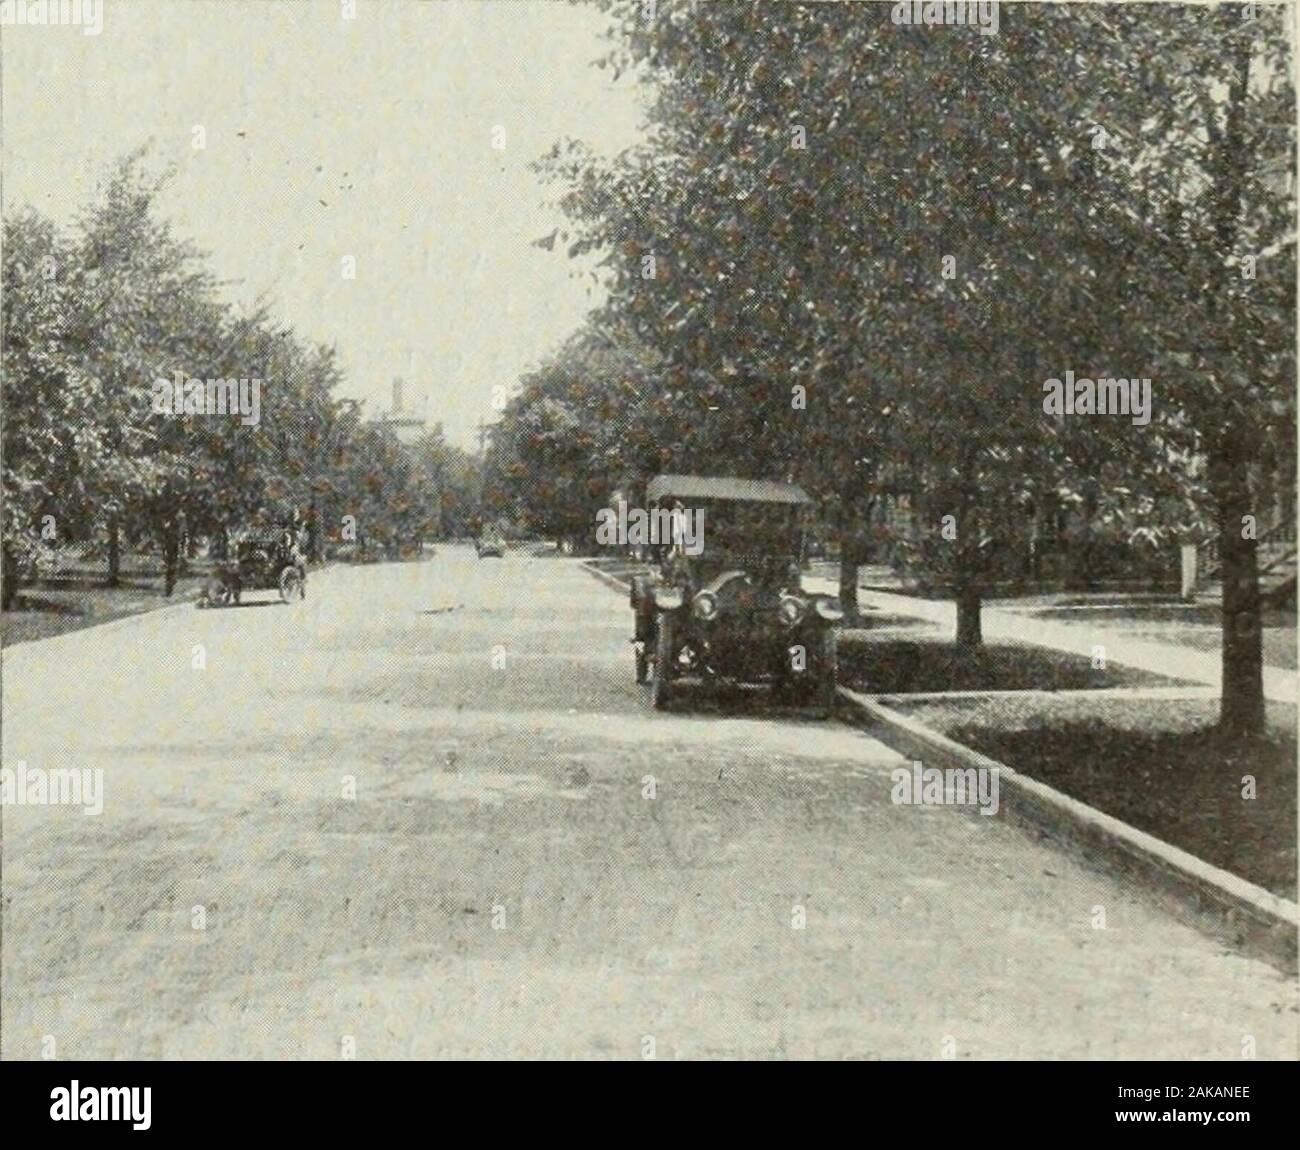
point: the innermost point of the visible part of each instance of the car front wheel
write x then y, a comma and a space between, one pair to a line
663, 666
827, 671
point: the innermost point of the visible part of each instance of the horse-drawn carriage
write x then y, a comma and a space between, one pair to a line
261, 561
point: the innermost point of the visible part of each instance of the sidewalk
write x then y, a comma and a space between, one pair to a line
1004, 625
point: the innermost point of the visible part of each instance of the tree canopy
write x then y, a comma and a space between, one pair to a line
95, 315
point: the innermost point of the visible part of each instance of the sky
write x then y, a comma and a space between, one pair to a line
327, 137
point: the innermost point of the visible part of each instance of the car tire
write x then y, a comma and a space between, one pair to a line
663, 664
218, 594
827, 672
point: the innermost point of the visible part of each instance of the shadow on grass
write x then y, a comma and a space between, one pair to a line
243, 604
27, 602
1188, 788
138, 581
890, 665
1199, 614
58, 607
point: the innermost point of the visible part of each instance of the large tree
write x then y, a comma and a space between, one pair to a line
93, 318
824, 238
1193, 192
921, 226
51, 427
592, 421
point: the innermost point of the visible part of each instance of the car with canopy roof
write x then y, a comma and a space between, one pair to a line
724, 600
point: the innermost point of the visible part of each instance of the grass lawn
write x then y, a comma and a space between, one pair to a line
1158, 765
875, 626
897, 659
1279, 645
54, 607
1197, 626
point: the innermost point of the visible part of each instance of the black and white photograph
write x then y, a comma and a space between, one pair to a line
649, 530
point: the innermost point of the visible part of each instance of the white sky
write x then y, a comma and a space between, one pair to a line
397, 109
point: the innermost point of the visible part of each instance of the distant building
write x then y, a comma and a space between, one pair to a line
408, 426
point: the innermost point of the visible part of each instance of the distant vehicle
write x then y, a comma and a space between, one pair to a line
735, 610
263, 561
490, 544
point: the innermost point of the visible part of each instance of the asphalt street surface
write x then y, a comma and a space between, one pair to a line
428, 813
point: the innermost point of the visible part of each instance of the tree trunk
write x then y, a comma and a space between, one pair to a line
171, 557
849, 575
971, 562
970, 631
314, 552
1086, 572
852, 512
9, 577
114, 552
1033, 557
1241, 710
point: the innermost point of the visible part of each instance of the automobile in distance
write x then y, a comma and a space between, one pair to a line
729, 606
490, 544
263, 560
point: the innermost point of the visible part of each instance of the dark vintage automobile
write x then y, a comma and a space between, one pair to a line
735, 610
262, 561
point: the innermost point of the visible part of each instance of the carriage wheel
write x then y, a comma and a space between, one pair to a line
291, 585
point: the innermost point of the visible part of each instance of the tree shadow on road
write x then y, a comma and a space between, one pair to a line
241, 606
734, 700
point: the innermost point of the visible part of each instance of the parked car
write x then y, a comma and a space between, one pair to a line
490, 544
734, 610
263, 560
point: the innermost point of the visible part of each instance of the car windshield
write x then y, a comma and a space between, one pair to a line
763, 538
741, 528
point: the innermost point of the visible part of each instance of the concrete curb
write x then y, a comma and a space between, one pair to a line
1258, 921
608, 579
1212, 899
1167, 693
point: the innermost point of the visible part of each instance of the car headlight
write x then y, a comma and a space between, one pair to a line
705, 605
668, 598
830, 609
792, 609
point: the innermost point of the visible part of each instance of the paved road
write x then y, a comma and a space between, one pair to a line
501, 885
